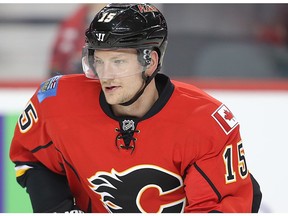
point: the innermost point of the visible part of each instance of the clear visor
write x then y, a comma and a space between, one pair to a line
110, 64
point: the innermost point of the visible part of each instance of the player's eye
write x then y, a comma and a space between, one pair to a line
119, 61
98, 61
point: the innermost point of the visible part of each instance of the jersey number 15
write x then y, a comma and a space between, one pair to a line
230, 175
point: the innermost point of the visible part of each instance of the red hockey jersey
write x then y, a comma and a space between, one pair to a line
184, 155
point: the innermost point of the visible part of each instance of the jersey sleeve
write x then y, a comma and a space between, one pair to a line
31, 143
219, 179
38, 164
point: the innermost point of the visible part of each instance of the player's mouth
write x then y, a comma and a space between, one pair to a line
110, 89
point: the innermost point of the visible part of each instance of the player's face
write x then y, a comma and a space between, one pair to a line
119, 72
118, 63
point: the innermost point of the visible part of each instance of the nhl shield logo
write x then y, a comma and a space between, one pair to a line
128, 125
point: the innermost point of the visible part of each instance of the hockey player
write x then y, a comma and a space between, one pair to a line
125, 138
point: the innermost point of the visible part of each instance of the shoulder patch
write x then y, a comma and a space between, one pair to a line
48, 88
224, 117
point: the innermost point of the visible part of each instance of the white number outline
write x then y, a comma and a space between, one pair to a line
27, 118
242, 166
230, 175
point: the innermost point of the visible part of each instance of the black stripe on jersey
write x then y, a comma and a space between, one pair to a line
209, 182
185, 171
73, 169
215, 211
89, 209
41, 147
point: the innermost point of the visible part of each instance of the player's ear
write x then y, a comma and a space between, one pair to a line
153, 64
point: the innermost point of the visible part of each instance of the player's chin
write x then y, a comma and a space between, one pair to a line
116, 100
112, 99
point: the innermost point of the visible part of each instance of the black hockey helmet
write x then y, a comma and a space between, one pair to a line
139, 26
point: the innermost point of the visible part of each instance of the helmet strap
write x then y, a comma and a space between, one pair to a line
147, 80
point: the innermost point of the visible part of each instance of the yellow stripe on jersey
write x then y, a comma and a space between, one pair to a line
21, 170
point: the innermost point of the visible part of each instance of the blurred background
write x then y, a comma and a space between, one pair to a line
236, 52
205, 40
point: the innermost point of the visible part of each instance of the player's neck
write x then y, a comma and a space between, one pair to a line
140, 107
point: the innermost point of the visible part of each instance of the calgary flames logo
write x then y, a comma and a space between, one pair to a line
144, 188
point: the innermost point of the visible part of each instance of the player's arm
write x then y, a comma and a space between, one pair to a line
219, 180
37, 164
48, 191
205, 192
